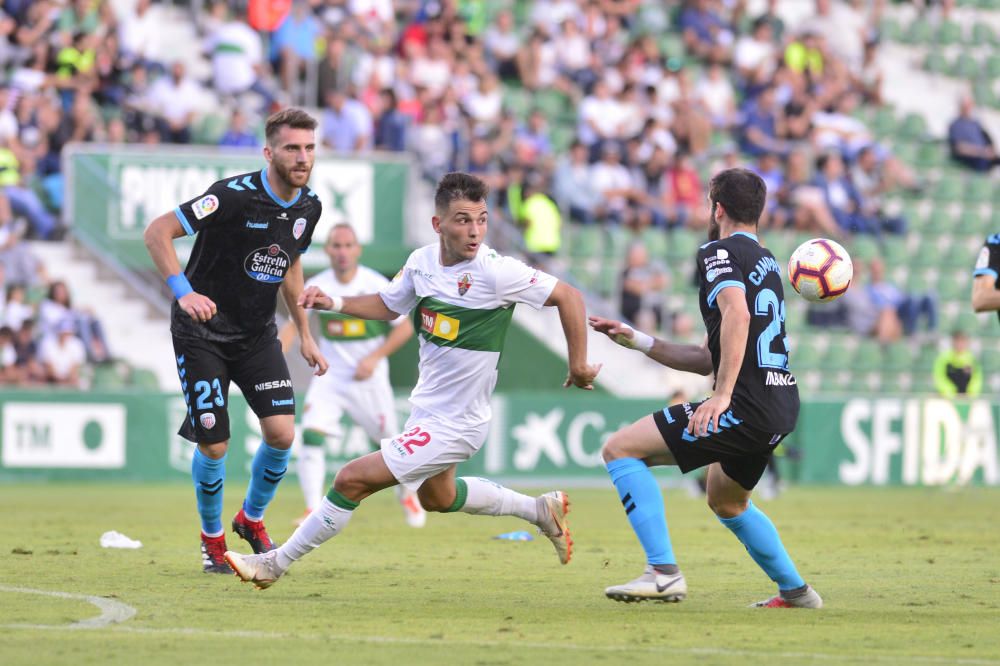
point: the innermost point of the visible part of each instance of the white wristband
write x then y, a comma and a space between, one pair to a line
336, 303
639, 340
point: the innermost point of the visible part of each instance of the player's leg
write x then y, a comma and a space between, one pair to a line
321, 426
204, 382
356, 480
446, 494
262, 374
371, 405
730, 501
628, 454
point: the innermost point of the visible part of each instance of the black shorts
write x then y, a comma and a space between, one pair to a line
205, 368
741, 449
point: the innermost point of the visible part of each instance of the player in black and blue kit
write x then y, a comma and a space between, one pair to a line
754, 404
986, 277
251, 230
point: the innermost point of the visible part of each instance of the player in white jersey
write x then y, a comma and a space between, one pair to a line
358, 379
461, 295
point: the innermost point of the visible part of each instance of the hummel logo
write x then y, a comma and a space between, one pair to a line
663, 588
284, 215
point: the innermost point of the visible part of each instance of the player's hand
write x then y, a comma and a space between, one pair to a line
310, 352
706, 418
314, 298
582, 377
616, 330
365, 368
199, 307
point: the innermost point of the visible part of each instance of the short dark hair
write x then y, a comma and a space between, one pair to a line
458, 186
290, 117
741, 192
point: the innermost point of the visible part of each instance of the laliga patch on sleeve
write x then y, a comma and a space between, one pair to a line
983, 260
205, 206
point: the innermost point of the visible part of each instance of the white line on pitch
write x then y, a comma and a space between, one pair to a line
664, 649
112, 611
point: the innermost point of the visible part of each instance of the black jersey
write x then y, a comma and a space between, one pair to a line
765, 395
248, 238
988, 262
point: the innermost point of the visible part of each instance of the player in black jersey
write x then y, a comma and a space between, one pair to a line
252, 230
755, 403
986, 277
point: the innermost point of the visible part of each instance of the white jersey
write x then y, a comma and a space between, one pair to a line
344, 340
461, 314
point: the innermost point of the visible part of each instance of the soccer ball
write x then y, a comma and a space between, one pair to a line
820, 270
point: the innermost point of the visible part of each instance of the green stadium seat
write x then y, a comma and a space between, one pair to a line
868, 356
587, 242
655, 241
936, 63
948, 189
949, 33
918, 32
109, 377
982, 35
978, 189
682, 244
883, 123
984, 96
145, 379
913, 127
898, 357
891, 30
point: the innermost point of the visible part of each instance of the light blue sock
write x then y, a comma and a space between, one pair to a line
209, 476
268, 468
643, 502
756, 531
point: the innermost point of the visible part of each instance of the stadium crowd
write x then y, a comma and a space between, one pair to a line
589, 112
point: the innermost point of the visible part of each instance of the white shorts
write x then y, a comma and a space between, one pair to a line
428, 446
369, 403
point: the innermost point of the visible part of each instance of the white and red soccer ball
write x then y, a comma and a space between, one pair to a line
820, 270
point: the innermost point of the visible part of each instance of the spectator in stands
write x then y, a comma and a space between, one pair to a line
683, 195
9, 372
62, 355
956, 371
968, 141
30, 369
842, 198
801, 204
538, 65
755, 55
293, 44
502, 44
57, 309
614, 183
573, 189
23, 200
484, 105
644, 284
431, 144
866, 316
716, 93
173, 99
337, 68
16, 310
600, 119
532, 140
763, 126
18, 262
137, 32
237, 57
541, 220
391, 125
909, 307
347, 124
706, 33
239, 135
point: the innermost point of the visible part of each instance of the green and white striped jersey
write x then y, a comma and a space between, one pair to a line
345, 340
461, 314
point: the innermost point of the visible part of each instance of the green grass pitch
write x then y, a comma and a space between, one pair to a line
909, 576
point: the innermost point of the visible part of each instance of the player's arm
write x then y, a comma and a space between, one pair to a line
572, 316
687, 358
159, 239
733, 333
985, 295
368, 306
291, 291
397, 338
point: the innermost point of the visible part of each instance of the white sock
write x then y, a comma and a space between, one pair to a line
486, 498
319, 526
312, 472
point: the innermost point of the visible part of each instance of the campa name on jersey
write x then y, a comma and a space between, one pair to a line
340, 327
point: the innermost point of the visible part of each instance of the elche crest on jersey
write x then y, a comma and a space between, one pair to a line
464, 283
299, 227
